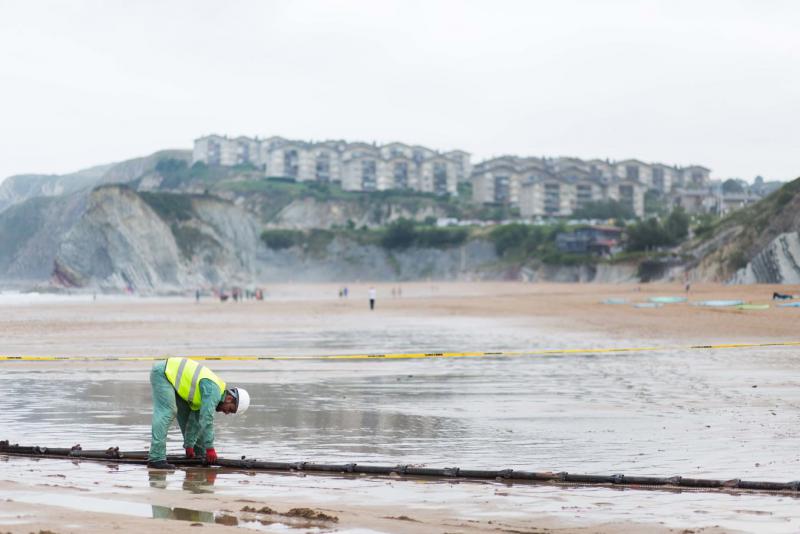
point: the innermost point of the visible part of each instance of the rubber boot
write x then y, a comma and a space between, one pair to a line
160, 464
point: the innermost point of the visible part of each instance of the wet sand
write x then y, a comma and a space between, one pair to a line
470, 512
360, 413
308, 319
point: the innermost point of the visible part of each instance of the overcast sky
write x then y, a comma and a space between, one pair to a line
709, 82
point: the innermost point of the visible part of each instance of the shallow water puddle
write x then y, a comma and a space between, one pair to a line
13, 519
109, 506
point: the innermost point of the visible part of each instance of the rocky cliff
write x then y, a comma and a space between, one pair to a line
345, 260
123, 240
778, 263
757, 244
342, 259
308, 212
19, 188
30, 234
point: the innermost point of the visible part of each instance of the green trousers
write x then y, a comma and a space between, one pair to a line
167, 405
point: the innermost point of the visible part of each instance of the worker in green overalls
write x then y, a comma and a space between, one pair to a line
190, 391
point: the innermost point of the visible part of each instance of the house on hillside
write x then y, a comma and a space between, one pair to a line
598, 239
695, 177
694, 201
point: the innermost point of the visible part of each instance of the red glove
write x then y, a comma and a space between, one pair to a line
190, 452
211, 455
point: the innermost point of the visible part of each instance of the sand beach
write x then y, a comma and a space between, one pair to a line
675, 409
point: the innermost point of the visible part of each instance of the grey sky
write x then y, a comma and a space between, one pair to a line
709, 82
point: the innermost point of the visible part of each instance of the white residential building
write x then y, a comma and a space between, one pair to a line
559, 186
355, 166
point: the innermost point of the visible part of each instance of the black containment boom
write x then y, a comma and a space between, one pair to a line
114, 455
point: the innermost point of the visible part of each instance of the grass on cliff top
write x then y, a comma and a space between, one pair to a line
279, 192
323, 192
173, 207
170, 207
766, 215
758, 216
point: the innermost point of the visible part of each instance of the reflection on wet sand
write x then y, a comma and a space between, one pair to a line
194, 481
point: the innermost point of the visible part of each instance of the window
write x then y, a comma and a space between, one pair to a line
291, 163
213, 153
658, 179
584, 194
632, 172
552, 198
626, 196
400, 173
502, 193
244, 153
440, 178
369, 181
323, 167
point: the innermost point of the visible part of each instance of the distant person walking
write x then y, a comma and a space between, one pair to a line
372, 294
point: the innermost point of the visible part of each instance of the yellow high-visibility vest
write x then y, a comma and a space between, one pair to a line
185, 375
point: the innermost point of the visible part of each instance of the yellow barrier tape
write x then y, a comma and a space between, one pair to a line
409, 355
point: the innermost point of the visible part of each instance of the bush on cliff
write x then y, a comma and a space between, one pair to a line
604, 209
404, 234
521, 240
280, 239
314, 241
399, 234
651, 233
170, 207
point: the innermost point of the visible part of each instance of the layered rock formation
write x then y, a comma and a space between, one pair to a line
778, 263
30, 234
123, 242
346, 260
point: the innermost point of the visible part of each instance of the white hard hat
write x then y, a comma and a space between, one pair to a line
242, 400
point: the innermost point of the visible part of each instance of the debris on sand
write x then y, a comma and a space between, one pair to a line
401, 518
308, 513
227, 520
262, 510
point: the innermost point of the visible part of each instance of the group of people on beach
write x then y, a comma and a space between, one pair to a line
236, 294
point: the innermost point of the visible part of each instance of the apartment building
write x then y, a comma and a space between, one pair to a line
355, 166
543, 187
